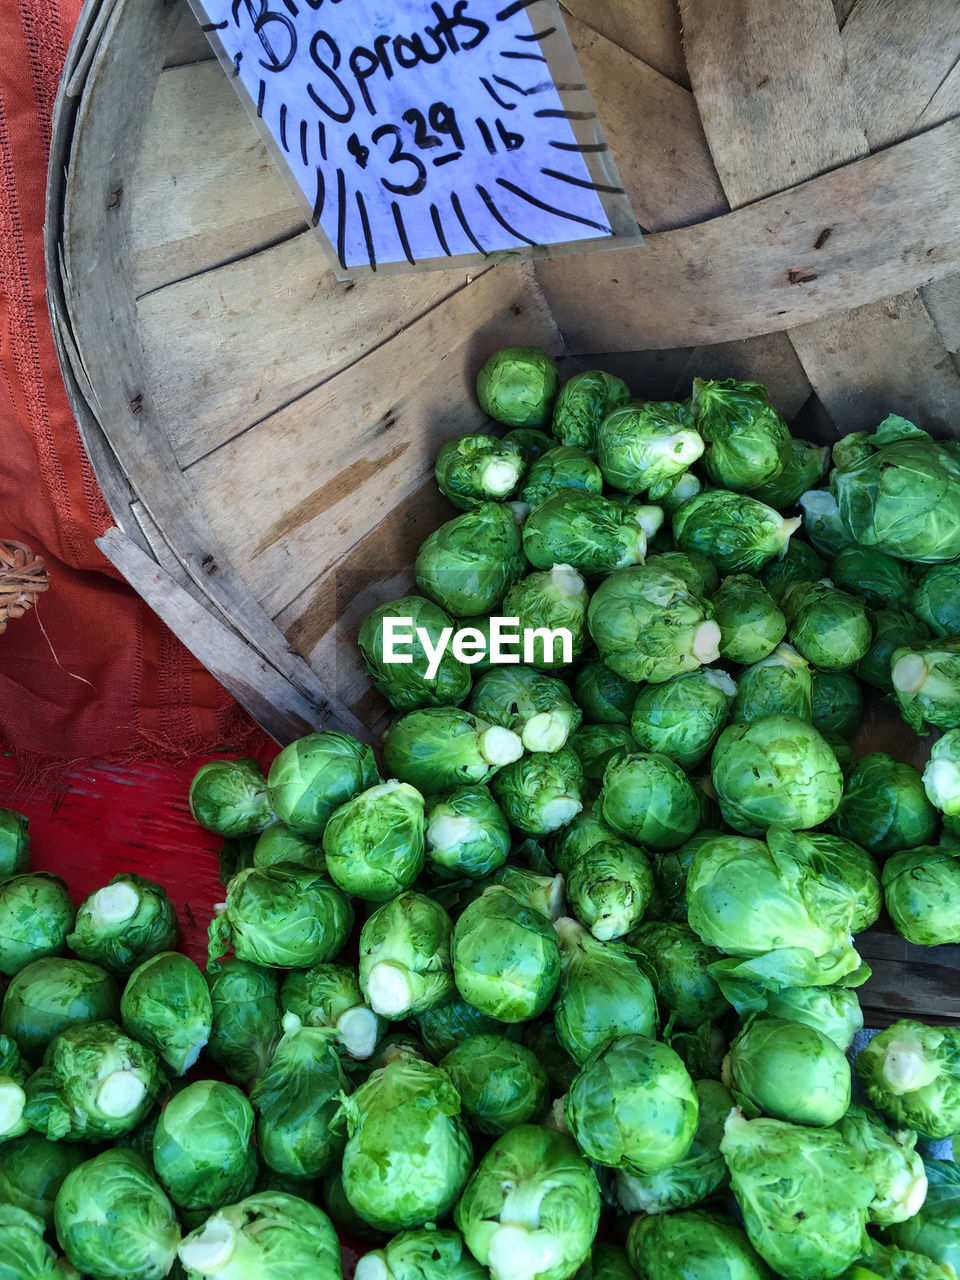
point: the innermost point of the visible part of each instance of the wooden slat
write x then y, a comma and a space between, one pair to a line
648, 29
892, 226
199, 150
843, 9
942, 300
884, 358
225, 349
898, 56
265, 692
387, 414
653, 127
771, 120
187, 43
945, 103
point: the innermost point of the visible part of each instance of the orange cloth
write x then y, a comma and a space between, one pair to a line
90, 672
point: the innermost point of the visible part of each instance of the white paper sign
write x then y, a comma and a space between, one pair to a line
417, 133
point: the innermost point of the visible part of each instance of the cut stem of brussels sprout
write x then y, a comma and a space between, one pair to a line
706, 642
500, 746
371, 1267
12, 1100
515, 1254
449, 830
211, 1250
906, 1067
389, 989
499, 477
909, 673
113, 904
547, 731
559, 811
566, 581
120, 1094
358, 1030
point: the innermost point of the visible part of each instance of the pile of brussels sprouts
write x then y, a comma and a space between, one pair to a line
565, 989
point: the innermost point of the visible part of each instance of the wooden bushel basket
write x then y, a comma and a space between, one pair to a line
265, 435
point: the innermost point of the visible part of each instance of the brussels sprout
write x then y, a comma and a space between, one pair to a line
202, 1150
699, 573
541, 792
926, 684
791, 1071
532, 1207
695, 1245
648, 799
52, 994
374, 843
596, 745
633, 1106
804, 1201
775, 769
935, 1229
680, 960
230, 797
166, 1005
341, 1212
405, 963
583, 403
501, 1084
799, 563
738, 533
587, 531
606, 1262
891, 1160
640, 446
36, 917
837, 702
603, 993
834, 1011
898, 491
466, 834
695, 1176
315, 774
649, 625
445, 1026
801, 937
682, 717
14, 842
467, 565
267, 1236
113, 1218
538, 707
443, 747
124, 923
245, 1025
887, 1262
282, 917
296, 1100
674, 491
31, 1171
477, 468
936, 599
566, 846
747, 442
539, 892
604, 696
279, 844
829, 627
329, 995
95, 1083
237, 855
804, 466
669, 901
541, 1036
505, 957
845, 864
941, 781
911, 1073
702, 1051
881, 581
922, 891
893, 629
533, 444
428, 1254
24, 1254
518, 386
407, 1156
559, 471
610, 887
780, 684
751, 625
13, 1077
406, 685
884, 806
546, 602
823, 524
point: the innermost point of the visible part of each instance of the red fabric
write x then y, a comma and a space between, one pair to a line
90, 671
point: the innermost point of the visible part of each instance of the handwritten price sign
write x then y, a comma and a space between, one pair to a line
418, 134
